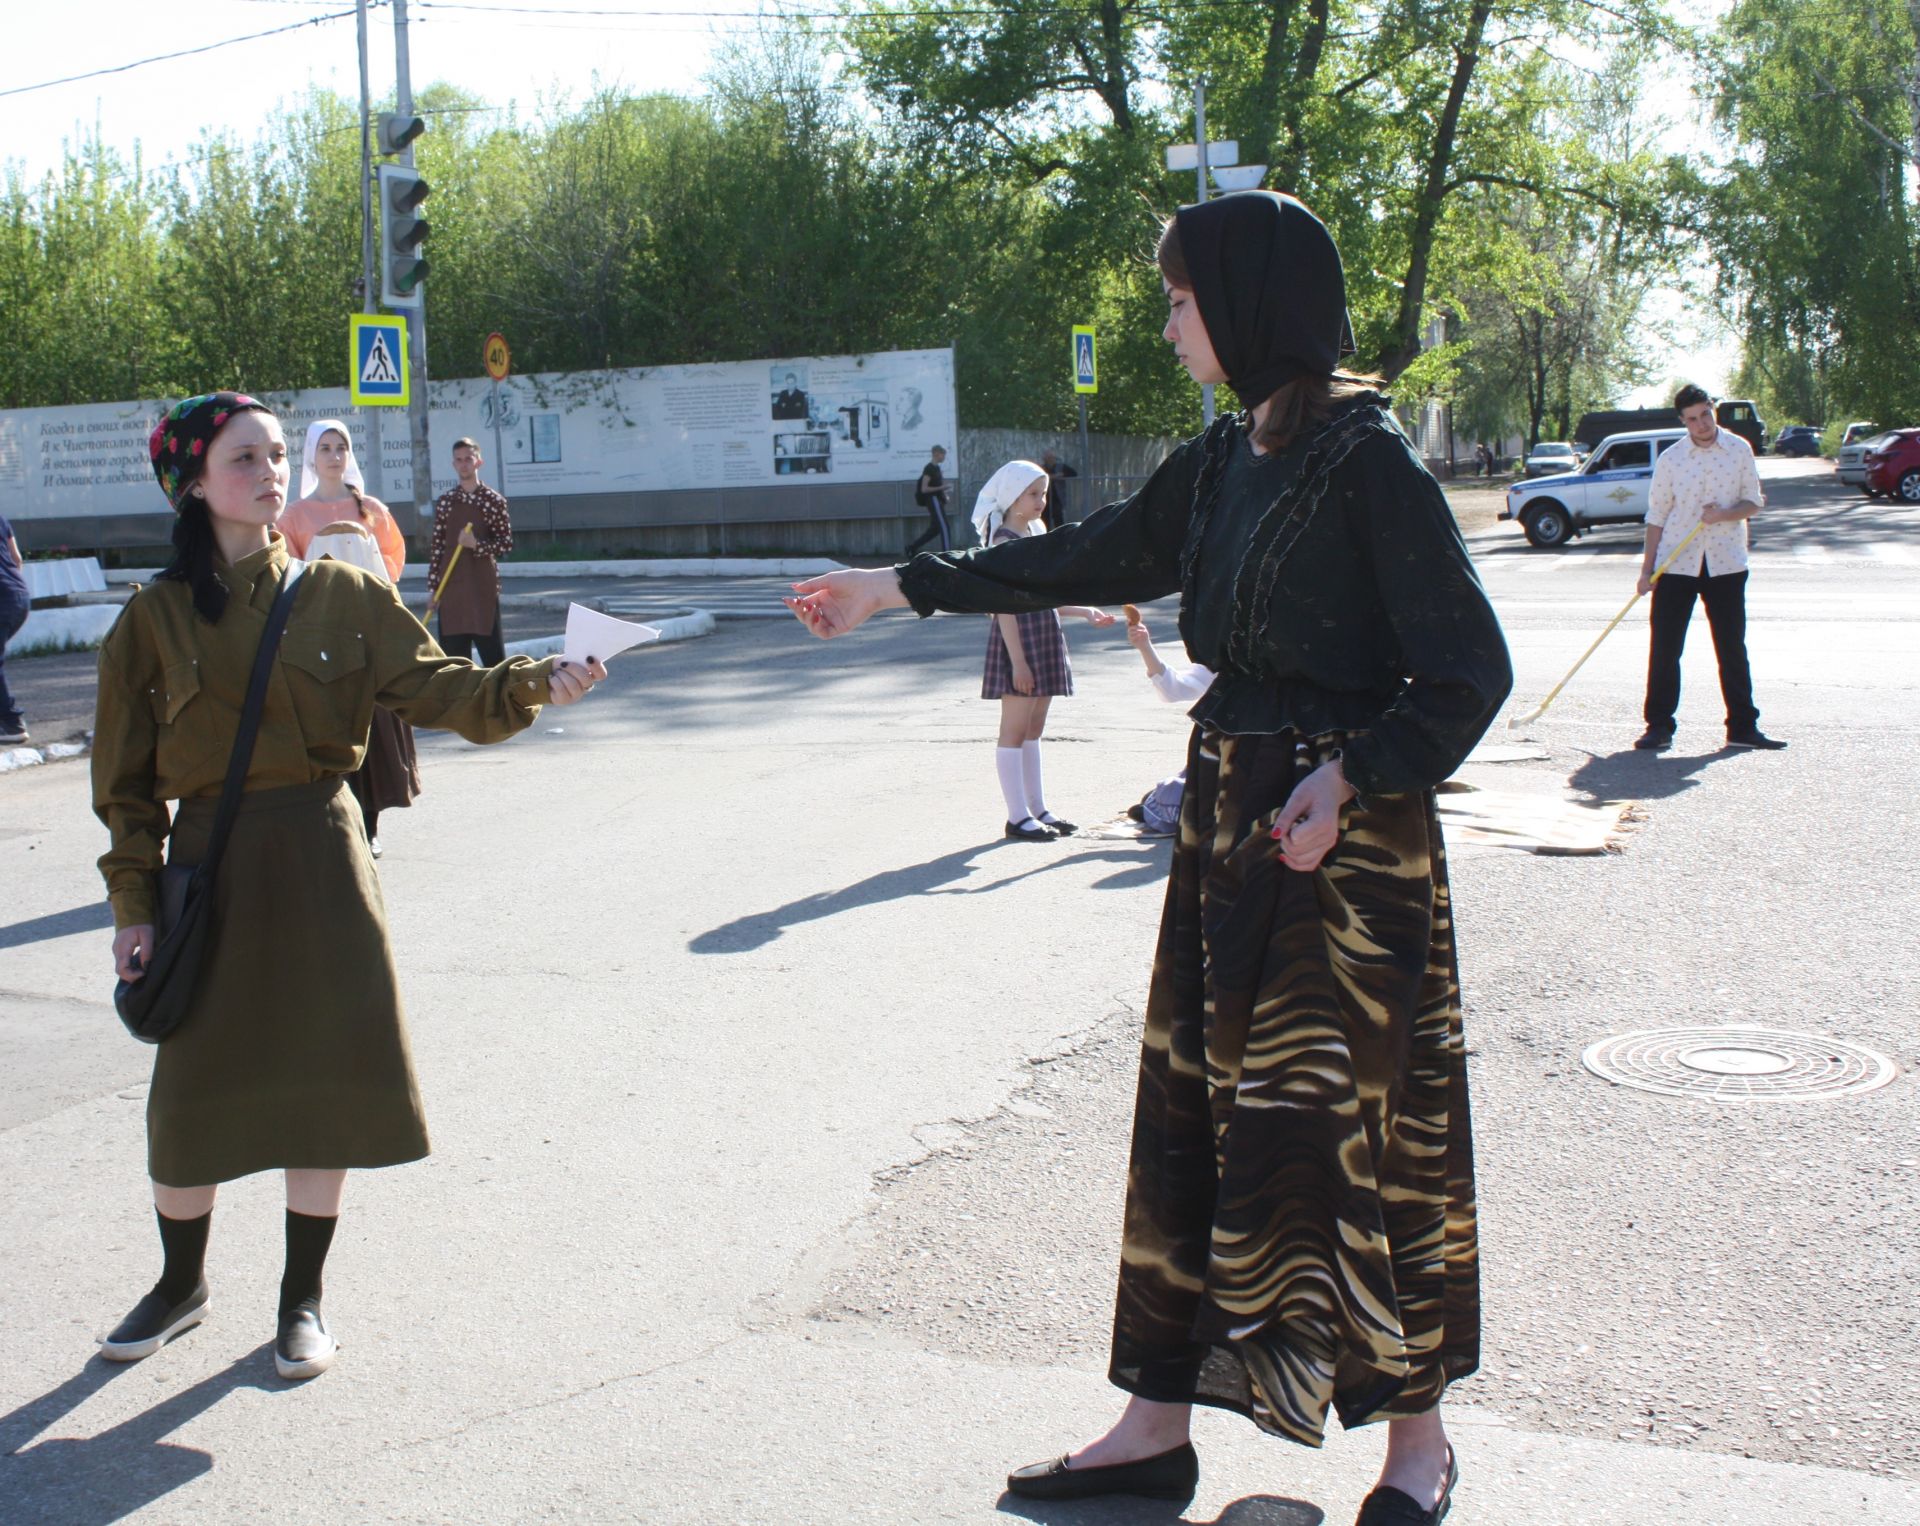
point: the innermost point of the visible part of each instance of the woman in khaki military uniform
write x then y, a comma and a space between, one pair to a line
295, 1055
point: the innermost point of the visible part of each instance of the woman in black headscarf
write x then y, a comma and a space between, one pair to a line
1300, 1227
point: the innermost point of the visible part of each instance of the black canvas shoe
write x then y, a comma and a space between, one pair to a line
1752, 738
1165, 1476
152, 1323
1653, 739
304, 1347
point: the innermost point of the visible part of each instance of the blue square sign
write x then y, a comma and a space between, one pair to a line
379, 350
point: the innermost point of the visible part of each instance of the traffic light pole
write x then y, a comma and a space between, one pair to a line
417, 409
375, 476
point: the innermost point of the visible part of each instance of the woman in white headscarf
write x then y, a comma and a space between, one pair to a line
333, 489
336, 517
1027, 663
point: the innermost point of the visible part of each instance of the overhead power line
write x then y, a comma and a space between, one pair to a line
160, 58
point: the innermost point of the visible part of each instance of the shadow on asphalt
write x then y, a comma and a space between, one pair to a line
1131, 1510
91, 918
88, 1481
1142, 864
1632, 775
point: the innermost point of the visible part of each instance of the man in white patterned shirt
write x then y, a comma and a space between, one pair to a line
1706, 480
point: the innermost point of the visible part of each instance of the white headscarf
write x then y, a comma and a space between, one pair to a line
1002, 488
309, 473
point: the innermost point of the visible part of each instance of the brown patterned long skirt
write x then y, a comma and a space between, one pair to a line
1300, 1228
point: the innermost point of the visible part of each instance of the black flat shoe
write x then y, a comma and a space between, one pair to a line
1654, 740
153, 1322
1753, 738
303, 1347
1057, 826
1029, 831
1388, 1506
1165, 1476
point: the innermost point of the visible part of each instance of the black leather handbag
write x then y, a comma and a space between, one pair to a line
155, 1004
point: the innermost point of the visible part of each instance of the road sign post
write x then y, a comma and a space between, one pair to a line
1086, 380
498, 359
377, 374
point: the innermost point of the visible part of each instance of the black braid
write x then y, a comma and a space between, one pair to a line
192, 564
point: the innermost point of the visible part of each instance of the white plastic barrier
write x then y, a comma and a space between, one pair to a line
65, 575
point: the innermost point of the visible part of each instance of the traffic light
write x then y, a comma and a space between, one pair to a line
397, 131
402, 266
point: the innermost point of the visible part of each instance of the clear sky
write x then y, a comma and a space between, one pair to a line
505, 51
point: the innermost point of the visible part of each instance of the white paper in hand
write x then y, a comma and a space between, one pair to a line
592, 634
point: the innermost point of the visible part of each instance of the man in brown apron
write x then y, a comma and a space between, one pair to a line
473, 517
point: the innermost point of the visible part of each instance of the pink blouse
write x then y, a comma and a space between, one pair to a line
301, 521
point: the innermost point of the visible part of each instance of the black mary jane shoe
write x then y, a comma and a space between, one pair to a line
1030, 830
153, 1322
1164, 1476
1055, 825
1388, 1506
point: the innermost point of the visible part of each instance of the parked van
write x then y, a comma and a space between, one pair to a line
1736, 415
1609, 489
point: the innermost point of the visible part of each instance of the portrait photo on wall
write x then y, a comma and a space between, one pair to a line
802, 450
910, 409
789, 391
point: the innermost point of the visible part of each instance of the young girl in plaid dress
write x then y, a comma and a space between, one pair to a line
1027, 663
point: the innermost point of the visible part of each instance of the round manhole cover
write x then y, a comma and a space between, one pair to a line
1737, 1064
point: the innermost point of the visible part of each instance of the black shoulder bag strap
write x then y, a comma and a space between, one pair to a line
249, 731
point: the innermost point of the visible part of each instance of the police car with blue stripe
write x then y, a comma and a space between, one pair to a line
1610, 488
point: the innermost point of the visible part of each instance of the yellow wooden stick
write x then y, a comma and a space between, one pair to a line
445, 578
1533, 715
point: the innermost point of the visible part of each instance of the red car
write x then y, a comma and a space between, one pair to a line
1894, 467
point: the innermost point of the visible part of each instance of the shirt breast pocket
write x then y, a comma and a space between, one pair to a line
328, 674
184, 729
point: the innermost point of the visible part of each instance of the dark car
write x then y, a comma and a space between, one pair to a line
1797, 440
1736, 415
1893, 465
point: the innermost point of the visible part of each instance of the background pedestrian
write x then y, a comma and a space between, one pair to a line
474, 517
15, 604
1027, 663
930, 492
1708, 481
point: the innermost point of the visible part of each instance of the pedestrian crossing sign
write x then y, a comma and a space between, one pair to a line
1086, 374
379, 350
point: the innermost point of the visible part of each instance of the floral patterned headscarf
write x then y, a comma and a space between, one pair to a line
178, 444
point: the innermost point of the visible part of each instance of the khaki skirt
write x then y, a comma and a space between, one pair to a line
295, 1051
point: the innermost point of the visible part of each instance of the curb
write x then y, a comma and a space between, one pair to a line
687, 626
13, 759
660, 567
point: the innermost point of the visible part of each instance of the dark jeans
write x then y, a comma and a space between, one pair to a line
493, 651
13, 615
1726, 600
938, 512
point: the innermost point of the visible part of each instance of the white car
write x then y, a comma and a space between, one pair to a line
1850, 465
1551, 457
1609, 488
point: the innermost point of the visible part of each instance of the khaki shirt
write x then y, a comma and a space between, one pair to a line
172, 686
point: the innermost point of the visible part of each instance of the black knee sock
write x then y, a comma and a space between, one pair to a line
307, 1240
185, 1244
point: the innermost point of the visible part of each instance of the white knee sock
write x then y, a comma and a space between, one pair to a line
1006, 761
1030, 773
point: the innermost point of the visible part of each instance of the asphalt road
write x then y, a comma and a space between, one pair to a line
780, 1107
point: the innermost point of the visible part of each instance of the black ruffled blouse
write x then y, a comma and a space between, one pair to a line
1326, 585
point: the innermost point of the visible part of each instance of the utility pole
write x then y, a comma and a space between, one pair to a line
417, 409
375, 483
1200, 196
